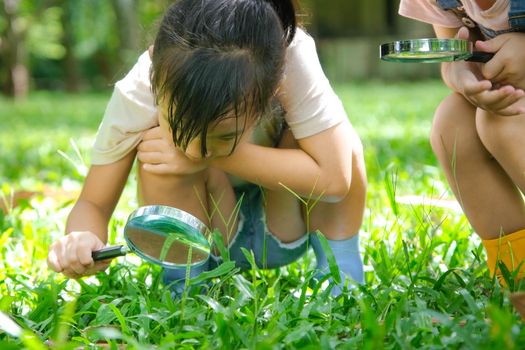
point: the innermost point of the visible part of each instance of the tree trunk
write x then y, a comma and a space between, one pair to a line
14, 52
126, 12
71, 65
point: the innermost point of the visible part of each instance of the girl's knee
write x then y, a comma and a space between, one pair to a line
166, 189
498, 132
453, 124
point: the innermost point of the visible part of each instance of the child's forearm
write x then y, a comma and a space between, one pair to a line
86, 216
274, 168
100, 194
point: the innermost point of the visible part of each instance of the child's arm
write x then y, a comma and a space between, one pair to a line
467, 79
86, 228
321, 166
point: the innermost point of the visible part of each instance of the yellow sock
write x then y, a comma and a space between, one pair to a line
510, 250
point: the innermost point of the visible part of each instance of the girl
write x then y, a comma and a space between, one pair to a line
477, 133
245, 115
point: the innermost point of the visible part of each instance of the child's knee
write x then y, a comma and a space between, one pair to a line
454, 122
498, 133
163, 189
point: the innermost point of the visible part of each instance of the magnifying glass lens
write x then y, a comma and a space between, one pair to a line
431, 50
166, 241
162, 235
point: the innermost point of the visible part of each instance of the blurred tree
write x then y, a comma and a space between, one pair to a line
71, 63
13, 50
127, 23
78, 44
355, 18
150, 14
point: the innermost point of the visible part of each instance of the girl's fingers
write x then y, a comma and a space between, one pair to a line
70, 274
518, 108
84, 257
152, 145
493, 70
476, 87
101, 265
153, 133
159, 169
53, 262
72, 255
74, 265
150, 157
511, 111
498, 100
507, 102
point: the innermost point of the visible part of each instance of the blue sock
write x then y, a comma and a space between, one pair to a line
347, 256
176, 277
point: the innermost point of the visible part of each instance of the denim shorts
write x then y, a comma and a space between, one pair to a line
252, 234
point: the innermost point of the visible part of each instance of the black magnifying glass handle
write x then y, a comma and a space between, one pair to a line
109, 252
480, 56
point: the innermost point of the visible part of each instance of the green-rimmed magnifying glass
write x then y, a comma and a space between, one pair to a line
431, 50
163, 235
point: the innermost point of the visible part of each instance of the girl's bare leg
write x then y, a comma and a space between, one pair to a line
287, 218
284, 212
489, 198
504, 138
342, 220
339, 222
204, 195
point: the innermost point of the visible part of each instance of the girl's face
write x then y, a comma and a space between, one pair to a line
220, 139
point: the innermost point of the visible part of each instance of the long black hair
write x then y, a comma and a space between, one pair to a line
216, 57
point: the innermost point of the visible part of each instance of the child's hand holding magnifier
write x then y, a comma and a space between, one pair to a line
71, 255
507, 65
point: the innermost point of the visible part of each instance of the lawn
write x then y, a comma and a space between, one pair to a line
427, 285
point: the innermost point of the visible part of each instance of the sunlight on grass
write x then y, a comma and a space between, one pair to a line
427, 285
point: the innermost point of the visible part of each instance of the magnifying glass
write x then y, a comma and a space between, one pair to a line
162, 235
431, 50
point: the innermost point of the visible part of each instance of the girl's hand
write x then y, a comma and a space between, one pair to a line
507, 66
160, 156
71, 254
483, 94
471, 81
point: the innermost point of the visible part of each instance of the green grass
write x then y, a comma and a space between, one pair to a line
427, 285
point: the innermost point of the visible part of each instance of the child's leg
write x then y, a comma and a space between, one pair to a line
340, 223
503, 138
284, 212
204, 195
488, 195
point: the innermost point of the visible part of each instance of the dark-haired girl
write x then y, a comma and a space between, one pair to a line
229, 106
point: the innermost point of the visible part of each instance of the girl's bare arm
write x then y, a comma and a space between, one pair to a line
321, 166
100, 193
86, 228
